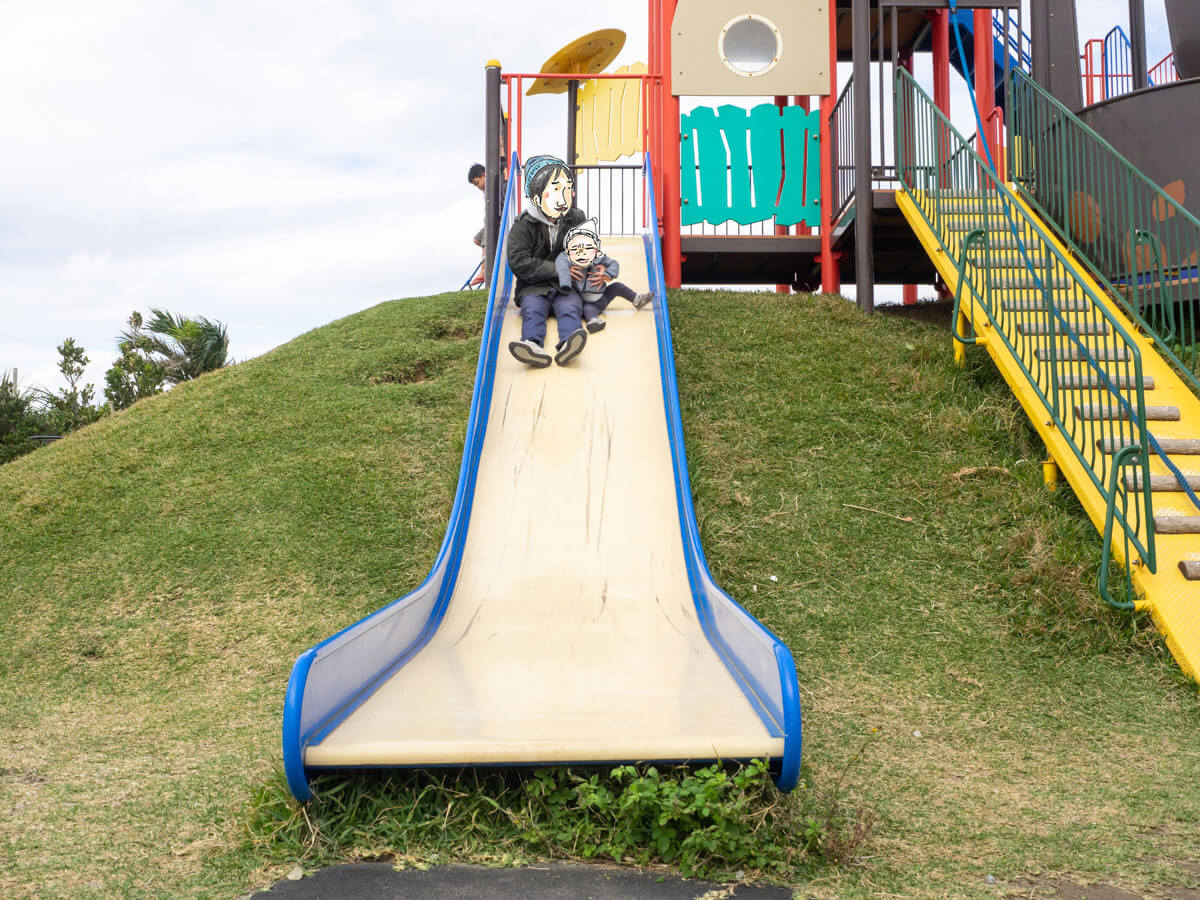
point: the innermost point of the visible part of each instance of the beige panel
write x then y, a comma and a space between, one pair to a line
571, 634
803, 66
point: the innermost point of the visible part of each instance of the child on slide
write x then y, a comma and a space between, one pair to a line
583, 268
534, 241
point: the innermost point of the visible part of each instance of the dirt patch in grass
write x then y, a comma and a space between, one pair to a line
1064, 889
935, 312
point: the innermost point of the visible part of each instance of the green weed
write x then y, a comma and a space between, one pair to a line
710, 822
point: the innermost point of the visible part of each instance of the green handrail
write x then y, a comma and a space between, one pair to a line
1141, 245
1125, 457
976, 237
1048, 319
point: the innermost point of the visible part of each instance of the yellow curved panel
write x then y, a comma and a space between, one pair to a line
609, 122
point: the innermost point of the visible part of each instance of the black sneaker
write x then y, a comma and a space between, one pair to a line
594, 324
530, 353
571, 347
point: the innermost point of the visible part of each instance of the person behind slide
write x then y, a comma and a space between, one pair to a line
534, 242
585, 269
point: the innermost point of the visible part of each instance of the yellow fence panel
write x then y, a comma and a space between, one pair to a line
609, 121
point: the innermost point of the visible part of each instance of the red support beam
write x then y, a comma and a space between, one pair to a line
831, 280
985, 81
941, 60
669, 150
941, 78
781, 102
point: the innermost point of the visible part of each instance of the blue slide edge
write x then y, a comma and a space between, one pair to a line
778, 704
301, 726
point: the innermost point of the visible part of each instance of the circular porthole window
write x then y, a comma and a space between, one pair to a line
750, 45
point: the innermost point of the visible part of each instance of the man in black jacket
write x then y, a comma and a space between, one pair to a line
534, 241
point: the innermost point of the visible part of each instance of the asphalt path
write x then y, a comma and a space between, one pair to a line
553, 881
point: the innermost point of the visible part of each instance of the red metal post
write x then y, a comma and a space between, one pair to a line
985, 78
804, 103
669, 151
941, 60
941, 80
653, 96
781, 102
831, 281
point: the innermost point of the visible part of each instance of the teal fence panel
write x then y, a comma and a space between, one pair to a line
750, 165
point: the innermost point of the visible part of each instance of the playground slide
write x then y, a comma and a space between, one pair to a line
570, 616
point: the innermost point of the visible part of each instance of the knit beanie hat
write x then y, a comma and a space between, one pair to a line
588, 227
535, 165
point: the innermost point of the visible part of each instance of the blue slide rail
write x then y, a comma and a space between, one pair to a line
759, 662
330, 680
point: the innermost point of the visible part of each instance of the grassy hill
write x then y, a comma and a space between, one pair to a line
877, 508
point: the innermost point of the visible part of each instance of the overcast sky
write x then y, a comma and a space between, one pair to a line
273, 166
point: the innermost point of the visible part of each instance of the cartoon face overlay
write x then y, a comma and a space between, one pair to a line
582, 250
557, 196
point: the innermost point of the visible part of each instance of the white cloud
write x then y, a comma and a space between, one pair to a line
267, 164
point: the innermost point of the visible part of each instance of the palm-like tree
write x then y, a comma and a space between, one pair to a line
185, 347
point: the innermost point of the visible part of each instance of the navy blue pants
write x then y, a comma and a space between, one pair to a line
567, 308
593, 308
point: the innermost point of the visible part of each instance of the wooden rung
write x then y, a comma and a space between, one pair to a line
1039, 306
1073, 354
1122, 382
1190, 569
1170, 446
1160, 483
1153, 413
1177, 524
1036, 328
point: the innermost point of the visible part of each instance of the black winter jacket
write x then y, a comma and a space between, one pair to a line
530, 255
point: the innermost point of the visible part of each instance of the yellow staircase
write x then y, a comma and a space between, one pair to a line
1091, 384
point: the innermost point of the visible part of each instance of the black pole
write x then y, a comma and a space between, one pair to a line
1137, 41
572, 117
493, 169
864, 198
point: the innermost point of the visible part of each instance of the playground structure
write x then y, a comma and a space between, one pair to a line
588, 629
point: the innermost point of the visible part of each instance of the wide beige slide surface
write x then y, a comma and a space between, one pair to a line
571, 634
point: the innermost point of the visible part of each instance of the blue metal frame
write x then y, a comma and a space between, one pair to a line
776, 699
445, 567
781, 715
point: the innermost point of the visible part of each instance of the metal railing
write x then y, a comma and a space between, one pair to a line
1018, 42
1075, 354
1163, 71
614, 195
1140, 243
841, 146
1107, 67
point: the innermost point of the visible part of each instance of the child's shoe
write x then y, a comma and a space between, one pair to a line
642, 299
596, 323
571, 347
530, 353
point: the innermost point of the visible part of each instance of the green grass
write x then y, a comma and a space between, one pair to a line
162, 569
